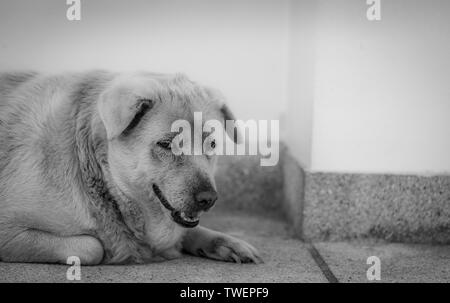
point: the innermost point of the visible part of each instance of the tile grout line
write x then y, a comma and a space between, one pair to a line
318, 259
329, 275
297, 206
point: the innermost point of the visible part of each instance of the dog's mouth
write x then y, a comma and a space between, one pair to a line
180, 217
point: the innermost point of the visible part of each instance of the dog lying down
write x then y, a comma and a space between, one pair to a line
86, 170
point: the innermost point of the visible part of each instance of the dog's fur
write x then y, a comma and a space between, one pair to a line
79, 154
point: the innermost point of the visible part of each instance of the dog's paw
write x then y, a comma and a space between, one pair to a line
230, 249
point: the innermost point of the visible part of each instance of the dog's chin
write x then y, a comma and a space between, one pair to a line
180, 217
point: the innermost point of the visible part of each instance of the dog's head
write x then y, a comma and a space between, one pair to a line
138, 113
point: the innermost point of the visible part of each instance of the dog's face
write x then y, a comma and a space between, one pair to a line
138, 114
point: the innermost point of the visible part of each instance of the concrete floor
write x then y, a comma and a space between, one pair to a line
286, 260
399, 262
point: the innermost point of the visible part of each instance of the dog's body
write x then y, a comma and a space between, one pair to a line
84, 171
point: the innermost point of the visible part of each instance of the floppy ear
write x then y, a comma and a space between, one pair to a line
233, 133
121, 110
219, 100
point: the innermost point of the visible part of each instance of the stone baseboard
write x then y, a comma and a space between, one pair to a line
330, 206
395, 208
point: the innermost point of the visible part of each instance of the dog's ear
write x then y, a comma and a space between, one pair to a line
121, 109
233, 133
224, 111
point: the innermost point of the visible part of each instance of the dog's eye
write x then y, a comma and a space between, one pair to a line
165, 144
213, 144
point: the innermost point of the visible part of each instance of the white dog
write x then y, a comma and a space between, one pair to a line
86, 170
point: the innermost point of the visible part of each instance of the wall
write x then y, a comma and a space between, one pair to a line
237, 46
302, 47
356, 96
380, 94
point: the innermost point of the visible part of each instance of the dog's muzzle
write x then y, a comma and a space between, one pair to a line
180, 217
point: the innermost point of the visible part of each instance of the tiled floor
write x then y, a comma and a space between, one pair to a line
286, 260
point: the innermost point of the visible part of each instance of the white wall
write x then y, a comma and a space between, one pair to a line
238, 46
302, 47
381, 90
357, 96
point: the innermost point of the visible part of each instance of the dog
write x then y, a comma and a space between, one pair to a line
86, 170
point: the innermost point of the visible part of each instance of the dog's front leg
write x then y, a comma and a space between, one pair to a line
204, 242
42, 247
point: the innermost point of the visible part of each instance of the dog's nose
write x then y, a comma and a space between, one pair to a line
206, 199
